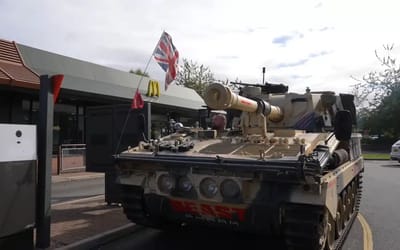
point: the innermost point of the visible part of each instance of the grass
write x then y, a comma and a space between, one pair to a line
376, 156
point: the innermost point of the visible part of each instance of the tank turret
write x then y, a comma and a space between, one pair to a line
255, 111
309, 111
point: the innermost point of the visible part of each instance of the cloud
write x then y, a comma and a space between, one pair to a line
292, 64
325, 28
303, 43
317, 54
227, 57
318, 5
300, 76
321, 29
303, 61
284, 39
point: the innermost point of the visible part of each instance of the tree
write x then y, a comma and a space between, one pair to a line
375, 86
378, 97
195, 76
139, 72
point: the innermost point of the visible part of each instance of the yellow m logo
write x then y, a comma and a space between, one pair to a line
153, 89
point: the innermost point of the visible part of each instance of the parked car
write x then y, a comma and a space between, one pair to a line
395, 153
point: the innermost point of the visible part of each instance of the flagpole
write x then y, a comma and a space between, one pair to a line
137, 89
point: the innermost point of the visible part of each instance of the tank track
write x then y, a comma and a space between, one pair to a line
305, 226
134, 209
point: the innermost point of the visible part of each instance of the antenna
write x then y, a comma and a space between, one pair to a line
263, 72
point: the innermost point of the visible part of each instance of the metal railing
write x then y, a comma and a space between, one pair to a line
72, 157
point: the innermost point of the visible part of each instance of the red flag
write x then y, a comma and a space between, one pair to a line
137, 102
57, 81
167, 57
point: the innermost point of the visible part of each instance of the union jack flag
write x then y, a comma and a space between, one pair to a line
167, 57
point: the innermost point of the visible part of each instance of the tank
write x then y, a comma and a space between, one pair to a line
279, 163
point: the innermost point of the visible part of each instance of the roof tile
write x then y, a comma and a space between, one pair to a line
12, 68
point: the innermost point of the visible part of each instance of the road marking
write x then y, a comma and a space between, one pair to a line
367, 234
79, 200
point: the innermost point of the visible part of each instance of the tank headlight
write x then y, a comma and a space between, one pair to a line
230, 189
208, 187
166, 183
185, 184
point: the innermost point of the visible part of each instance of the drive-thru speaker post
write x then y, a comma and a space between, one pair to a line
17, 185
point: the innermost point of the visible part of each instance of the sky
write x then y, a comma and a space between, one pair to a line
308, 43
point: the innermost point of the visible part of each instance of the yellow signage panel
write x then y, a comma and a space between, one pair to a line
153, 88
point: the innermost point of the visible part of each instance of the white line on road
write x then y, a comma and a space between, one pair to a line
79, 200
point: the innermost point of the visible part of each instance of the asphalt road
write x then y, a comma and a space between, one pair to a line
150, 239
380, 202
77, 189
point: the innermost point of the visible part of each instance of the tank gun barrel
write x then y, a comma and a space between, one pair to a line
218, 96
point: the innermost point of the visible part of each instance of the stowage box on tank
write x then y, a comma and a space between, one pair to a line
289, 165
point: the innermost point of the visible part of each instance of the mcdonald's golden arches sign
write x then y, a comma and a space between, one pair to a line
153, 88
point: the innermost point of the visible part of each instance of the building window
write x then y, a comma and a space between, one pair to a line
68, 124
5, 108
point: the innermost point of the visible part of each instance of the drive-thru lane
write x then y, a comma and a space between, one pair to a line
376, 226
77, 189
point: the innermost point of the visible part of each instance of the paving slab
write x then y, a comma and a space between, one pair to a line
81, 219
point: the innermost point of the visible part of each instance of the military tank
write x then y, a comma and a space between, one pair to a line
289, 166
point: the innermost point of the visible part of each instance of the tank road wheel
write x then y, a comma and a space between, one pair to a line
352, 191
339, 218
331, 234
327, 232
349, 202
345, 204
323, 230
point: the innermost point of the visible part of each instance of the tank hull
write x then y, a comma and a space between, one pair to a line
289, 198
